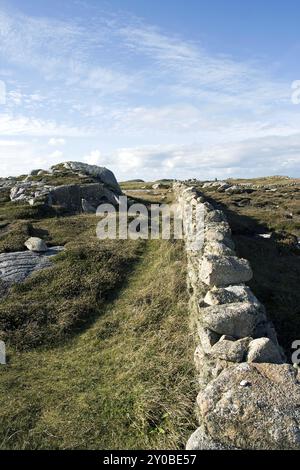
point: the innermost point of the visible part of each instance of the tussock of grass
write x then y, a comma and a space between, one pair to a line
126, 382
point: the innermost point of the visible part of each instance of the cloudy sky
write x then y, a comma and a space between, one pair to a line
151, 89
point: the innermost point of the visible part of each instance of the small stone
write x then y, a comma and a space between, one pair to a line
245, 383
36, 244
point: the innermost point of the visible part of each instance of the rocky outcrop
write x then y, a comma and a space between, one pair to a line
16, 267
92, 183
249, 398
102, 174
71, 196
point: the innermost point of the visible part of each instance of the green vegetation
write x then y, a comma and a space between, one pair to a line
62, 177
264, 180
100, 352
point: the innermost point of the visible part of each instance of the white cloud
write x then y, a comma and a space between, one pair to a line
57, 154
162, 105
23, 125
94, 158
56, 141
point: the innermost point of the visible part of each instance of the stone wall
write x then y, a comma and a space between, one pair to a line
249, 397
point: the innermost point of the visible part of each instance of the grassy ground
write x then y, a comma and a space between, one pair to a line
275, 261
124, 379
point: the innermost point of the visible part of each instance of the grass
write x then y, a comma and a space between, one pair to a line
265, 180
126, 382
107, 351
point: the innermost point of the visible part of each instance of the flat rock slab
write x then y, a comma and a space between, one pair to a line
16, 267
253, 406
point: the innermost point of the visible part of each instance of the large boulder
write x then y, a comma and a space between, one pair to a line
237, 319
253, 406
200, 440
230, 294
223, 271
101, 173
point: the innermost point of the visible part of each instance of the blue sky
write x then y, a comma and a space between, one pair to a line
151, 89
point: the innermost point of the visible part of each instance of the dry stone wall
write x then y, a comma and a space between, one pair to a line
249, 397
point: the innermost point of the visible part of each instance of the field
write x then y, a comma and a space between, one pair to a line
100, 352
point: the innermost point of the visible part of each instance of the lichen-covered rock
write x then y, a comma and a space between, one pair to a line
215, 216
264, 350
212, 235
36, 244
71, 196
236, 319
223, 271
200, 440
218, 227
87, 208
101, 173
207, 338
218, 248
230, 294
265, 414
231, 350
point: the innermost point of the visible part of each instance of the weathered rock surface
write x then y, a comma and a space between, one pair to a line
87, 208
101, 173
230, 294
36, 244
71, 196
46, 190
264, 350
16, 267
223, 271
207, 338
213, 235
200, 440
215, 216
218, 248
265, 414
236, 319
231, 350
